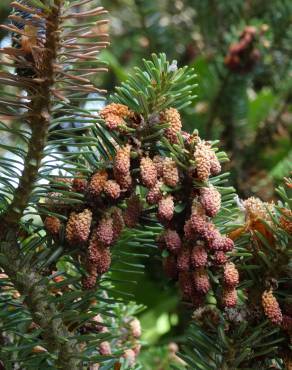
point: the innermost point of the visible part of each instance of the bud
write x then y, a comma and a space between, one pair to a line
122, 160
210, 199
203, 163
135, 328
130, 356
105, 231
97, 183
215, 167
39, 349
210, 234
188, 231
201, 281
89, 281
185, 284
105, 348
53, 225
118, 223
154, 195
286, 220
222, 243
94, 247
170, 267
114, 115
80, 185
102, 260
219, 258
172, 240
133, 211
170, 172
172, 116
113, 121
120, 110
231, 276
198, 223
271, 307
256, 209
148, 172
166, 208
229, 297
112, 189
125, 181
199, 256
184, 259
78, 227
158, 162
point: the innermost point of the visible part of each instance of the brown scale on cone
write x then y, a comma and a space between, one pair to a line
229, 297
170, 173
198, 224
222, 243
78, 227
112, 189
133, 211
79, 185
231, 275
125, 181
118, 223
155, 195
94, 248
113, 121
158, 162
122, 160
89, 281
166, 208
53, 225
104, 231
210, 199
115, 114
219, 258
201, 281
172, 241
102, 260
199, 256
215, 166
184, 259
189, 231
97, 183
148, 172
271, 307
172, 116
186, 285
203, 163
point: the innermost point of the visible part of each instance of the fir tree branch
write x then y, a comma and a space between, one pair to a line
33, 287
28, 282
38, 121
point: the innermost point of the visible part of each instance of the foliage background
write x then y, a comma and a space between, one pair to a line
250, 113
